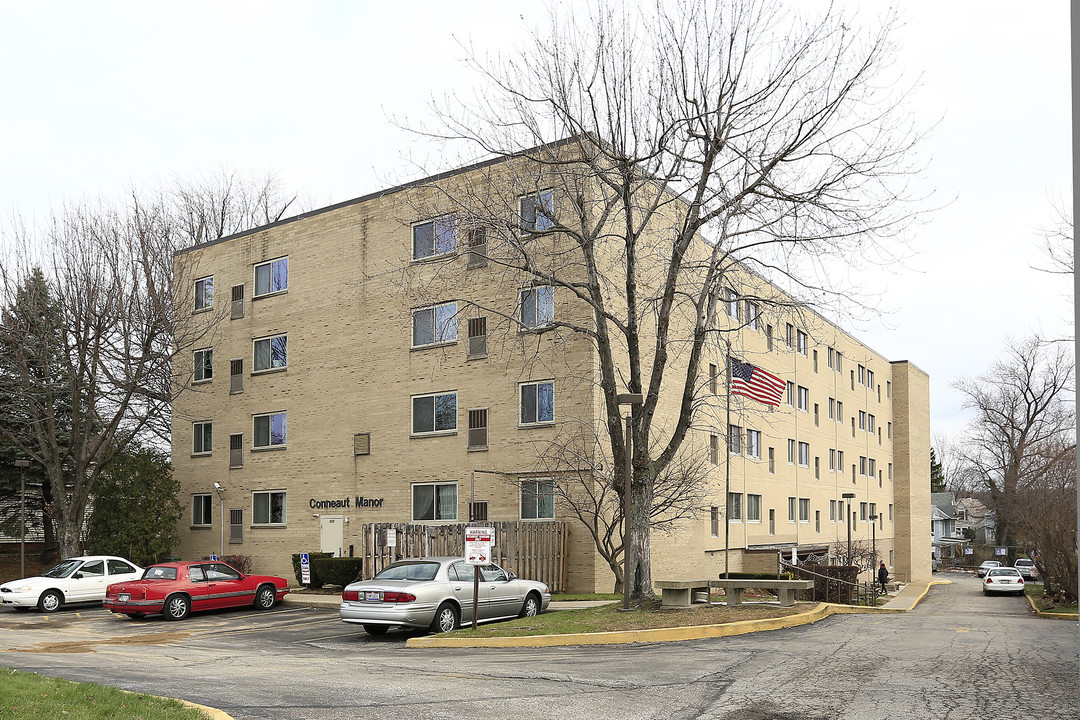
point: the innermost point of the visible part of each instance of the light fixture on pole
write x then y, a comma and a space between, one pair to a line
628, 473
221, 497
22, 464
850, 516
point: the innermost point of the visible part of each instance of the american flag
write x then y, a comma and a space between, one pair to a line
755, 383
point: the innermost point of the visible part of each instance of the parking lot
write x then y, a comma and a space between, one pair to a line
959, 654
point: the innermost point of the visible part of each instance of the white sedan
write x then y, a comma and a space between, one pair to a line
75, 580
1003, 580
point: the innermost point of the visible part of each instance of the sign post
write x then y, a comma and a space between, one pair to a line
305, 569
478, 542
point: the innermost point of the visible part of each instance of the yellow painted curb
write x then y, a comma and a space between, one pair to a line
211, 713
1053, 616
696, 632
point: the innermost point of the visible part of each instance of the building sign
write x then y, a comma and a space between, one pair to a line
359, 502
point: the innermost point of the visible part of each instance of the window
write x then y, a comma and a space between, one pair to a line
832, 511
772, 521
236, 308
815, 361
871, 467
236, 525
862, 419
862, 375
790, 335
478, 511
714, 449
870, 423
804, 510
202, 509
538, 212
832, 358
801, 339
753, 316
476, 239
434, 237
268, 508
537, 402
435, 324
204, 438
714, 521
890, 431
839, 411
862, 465
204, 365
753, 508
890, 471
731, 304
768, 337
478, 429
873, 510
713, 373
753, 443
817, 468
852, 379
434, 501
538, 499
791, 509
271, 353
272, 277
890, 512
434, 413
772, 460
537, 306
870, 379
841, 513
204, 293
734, 507
862, 512
840, 460
832, 460
791, 451
804, 399
817, 521
791, 393
236, 376
268, 430
839, 362
817, 415
832, 408
852, 426
734, 439
804, 454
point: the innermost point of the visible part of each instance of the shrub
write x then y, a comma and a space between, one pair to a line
337, 570
240, 562
316, 581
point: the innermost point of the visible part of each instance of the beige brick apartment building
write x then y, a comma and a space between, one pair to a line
364, 363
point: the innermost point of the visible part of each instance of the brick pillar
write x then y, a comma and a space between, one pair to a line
911, 465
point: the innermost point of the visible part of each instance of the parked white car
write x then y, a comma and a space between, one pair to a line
75, 580
1027, 568
1003, 580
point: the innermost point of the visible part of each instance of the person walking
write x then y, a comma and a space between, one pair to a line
882, 576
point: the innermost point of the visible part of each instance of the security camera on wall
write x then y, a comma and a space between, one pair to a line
217, 486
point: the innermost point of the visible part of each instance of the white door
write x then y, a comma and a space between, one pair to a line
332, 534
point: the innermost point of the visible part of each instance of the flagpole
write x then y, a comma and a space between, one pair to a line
727, 458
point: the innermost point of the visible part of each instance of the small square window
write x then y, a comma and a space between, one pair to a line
204, 438
434, 237
204, 365
269, 430
272, 277
538, 499
268, 508
434, 413
538, 211
271, 353
435, 501
202, 509
435, 325
537, 306
537, 402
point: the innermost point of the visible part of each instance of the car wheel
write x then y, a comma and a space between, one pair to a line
446, 618
531, 606
376, 630
177, 607
265, 597
50, 601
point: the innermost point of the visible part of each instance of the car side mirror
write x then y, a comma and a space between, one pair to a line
77, 576
510, 576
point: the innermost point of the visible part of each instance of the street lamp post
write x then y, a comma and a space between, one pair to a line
628, 473
848, 497
873, 534
22, 464
221, 503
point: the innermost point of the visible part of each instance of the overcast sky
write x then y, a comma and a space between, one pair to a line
101, 96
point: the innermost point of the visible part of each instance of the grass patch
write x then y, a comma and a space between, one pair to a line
1035, 592
27, 695
608, 618
579, 597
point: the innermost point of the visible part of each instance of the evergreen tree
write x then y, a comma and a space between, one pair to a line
937, 475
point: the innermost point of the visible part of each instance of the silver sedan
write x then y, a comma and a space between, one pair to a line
437, 593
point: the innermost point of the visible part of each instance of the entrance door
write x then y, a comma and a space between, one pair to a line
332, 534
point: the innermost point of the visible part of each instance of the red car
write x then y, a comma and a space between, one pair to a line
177, 588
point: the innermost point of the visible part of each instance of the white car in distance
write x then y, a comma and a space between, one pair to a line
74, 580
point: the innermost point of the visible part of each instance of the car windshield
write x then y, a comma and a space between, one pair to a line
62, 570
409, 571
160, 573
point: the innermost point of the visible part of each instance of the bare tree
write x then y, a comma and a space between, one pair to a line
657, 157
212, 206
1045, 522
89, 329
1021, 408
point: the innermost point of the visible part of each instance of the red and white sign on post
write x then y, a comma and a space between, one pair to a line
478, 542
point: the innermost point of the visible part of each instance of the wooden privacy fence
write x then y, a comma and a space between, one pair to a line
533, 550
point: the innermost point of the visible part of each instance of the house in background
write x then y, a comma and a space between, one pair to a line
944, 530
972, 514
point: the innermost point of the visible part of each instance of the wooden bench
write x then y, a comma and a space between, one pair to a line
680, 593
784, 589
